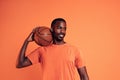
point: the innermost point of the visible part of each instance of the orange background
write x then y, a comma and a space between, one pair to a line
93, 26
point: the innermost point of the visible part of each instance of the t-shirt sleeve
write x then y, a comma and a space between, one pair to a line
34, 56
79, 62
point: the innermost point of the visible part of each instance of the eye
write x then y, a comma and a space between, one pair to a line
59, 27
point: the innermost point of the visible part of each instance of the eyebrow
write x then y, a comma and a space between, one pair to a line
61, 27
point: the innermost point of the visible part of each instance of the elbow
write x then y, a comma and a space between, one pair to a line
18, 66
22, 64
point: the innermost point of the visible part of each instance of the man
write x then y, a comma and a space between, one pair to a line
59, 61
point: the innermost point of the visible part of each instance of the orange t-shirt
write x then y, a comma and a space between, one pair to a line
59, 62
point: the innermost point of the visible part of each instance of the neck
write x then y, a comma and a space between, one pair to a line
58, 42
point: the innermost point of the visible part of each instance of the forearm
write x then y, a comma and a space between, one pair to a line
22, 59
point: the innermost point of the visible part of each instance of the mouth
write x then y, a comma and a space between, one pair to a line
61, 35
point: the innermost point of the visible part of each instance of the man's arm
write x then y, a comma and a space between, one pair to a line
83, 73
22, 60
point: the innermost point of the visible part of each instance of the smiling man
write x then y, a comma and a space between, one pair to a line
60, 60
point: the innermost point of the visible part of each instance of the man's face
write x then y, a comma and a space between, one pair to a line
59, 30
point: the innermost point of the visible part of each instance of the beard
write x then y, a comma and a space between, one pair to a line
59, 37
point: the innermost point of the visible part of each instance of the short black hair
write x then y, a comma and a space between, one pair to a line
55, 20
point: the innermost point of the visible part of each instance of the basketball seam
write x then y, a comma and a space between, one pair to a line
44, 39
41, 30
39, 33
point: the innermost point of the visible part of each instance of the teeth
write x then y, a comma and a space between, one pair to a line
61, 35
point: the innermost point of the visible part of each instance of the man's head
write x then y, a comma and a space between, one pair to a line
58, 29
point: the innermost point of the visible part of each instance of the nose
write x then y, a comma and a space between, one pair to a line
62, 30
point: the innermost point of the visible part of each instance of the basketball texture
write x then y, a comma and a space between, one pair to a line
43, 36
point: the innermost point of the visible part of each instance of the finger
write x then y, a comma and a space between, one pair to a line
35, 29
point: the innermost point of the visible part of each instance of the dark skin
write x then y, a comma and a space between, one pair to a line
23, 61
59, 31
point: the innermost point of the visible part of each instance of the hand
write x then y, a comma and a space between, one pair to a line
35, 29
30, 38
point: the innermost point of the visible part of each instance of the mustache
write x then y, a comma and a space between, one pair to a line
61, 34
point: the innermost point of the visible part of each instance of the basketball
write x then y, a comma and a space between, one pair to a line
43, 36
